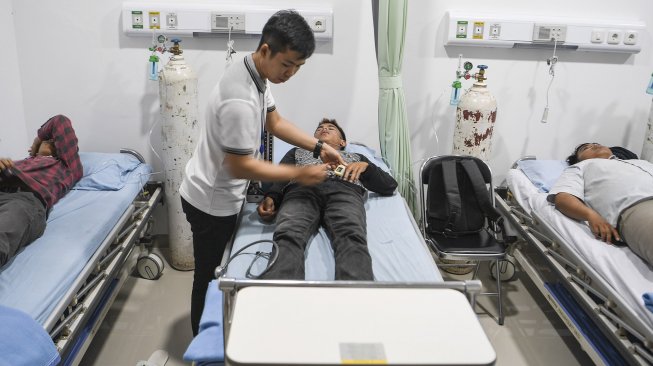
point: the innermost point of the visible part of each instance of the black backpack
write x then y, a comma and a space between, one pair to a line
458, 201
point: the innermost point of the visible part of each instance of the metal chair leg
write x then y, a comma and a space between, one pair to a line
500, 300
478, 264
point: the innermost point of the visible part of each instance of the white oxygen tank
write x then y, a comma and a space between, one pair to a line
179, 131
475, 117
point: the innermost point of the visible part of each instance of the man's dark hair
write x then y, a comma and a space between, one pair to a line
618, 151
335, 123
286, 29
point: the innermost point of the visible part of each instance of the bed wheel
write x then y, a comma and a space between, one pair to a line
506, 270
150, 266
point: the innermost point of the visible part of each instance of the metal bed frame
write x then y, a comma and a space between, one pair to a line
89, 298
538, 243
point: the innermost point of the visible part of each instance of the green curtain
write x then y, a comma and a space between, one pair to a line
393, 123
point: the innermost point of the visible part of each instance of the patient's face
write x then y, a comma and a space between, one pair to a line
46, 149
329, 134
593, 151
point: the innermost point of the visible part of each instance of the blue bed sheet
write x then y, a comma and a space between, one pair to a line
39, 276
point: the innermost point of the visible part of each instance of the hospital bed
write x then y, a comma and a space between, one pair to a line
403, 267
595, 288
66, 280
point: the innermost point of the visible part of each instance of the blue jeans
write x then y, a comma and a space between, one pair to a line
337, 206
22, 220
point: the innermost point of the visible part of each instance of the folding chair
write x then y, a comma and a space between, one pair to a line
479, 246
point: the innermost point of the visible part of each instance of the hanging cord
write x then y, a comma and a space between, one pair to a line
230, 48
552, 63
270, 256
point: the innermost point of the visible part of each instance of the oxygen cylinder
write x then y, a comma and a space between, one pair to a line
475, 117
179, 131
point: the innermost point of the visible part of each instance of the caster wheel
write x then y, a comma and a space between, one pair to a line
150, 266
506, 270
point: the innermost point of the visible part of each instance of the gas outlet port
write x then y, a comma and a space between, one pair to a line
171, 20
155, 20
137, 19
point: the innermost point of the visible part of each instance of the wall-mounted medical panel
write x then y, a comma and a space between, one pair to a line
186, 19
524, 31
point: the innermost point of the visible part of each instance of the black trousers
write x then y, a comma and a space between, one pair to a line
22, 220
211, 234
340, 209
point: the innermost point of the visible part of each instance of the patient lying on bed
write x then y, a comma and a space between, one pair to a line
613, 192
337, 204
30, 187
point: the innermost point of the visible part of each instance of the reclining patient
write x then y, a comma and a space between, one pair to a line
613, 191
30, 187
337, 204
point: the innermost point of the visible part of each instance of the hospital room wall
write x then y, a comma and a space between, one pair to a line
14, 140
596, 97
74, 59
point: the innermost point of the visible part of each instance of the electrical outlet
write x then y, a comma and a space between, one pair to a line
318, 24
137, 19
461, 29
598, 36
171, 20
478, 30
614, 37
630, 38
495, 31
155, 20
549, 33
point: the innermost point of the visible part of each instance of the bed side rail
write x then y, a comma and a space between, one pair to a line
580, 281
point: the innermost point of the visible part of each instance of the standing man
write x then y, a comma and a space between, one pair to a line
240, 107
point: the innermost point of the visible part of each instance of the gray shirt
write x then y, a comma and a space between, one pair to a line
608, 186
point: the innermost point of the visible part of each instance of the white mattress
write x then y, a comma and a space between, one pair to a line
628, 275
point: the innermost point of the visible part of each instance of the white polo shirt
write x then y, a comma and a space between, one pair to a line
608, 186
235, 117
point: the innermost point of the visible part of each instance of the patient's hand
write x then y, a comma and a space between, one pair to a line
354, 171
601, 229
311, 174
6, 163
266, 209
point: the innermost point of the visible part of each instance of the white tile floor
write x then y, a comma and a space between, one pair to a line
151, 315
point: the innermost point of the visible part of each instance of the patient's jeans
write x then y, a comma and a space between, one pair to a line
339, 207
22, 220
210, 237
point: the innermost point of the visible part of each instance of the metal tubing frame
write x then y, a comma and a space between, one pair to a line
566, 265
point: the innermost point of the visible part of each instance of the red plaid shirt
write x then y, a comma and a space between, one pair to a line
51, 177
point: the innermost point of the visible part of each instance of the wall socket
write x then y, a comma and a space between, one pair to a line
549, 33
614, 37
630, 38
318, 24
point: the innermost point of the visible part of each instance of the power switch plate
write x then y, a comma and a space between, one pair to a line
549, 33
598, 36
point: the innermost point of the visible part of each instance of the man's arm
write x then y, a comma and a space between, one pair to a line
60, 130
573, 207
374, 178
285, 130
246, 167
267, 208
